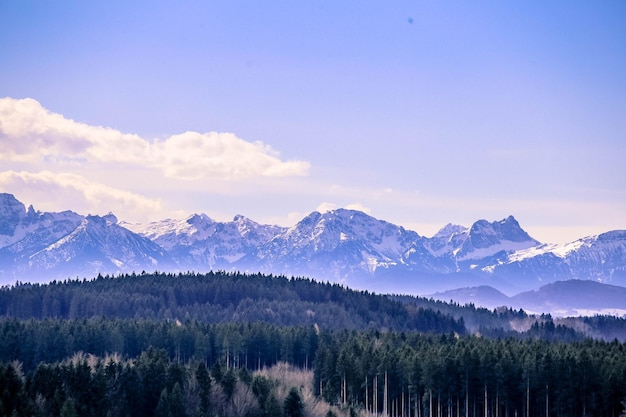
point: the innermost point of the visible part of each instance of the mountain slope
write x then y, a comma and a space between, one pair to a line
339, 245
562, 298
601, 258
574, 297
200, 243
97, 245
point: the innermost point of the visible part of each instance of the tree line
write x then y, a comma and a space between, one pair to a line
218, 297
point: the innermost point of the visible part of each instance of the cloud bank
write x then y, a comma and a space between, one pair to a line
29, 133
86, 196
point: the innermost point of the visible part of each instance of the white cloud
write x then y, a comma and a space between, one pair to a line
32, 134
359, 207
192, 155
45, 189
326, 206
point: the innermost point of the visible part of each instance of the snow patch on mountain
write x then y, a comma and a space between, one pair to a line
169, 233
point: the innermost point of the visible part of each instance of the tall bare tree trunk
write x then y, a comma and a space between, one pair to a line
367, 404
486, 403
430, 403
385, 398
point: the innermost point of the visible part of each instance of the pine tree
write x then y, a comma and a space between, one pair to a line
293, 404
163, 406
204, 382
68, 409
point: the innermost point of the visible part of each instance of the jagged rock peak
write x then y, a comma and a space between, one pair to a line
105, 220
9, 205
239, 218
199, 218
505, 229
450, 229
11, 212
7, 199
110, 218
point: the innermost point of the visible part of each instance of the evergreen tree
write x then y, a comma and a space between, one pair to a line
293, 404
163, 406
176, 405
271, 407
204, 383
68, 409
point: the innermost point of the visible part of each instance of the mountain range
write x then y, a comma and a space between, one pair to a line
345, 246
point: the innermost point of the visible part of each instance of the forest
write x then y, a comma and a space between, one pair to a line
231, 344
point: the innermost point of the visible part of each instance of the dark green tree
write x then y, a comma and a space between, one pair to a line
204, 383
293, 404
163, 406
68, 409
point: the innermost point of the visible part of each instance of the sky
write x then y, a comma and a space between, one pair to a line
420, 113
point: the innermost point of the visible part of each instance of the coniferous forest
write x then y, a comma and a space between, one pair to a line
231, 344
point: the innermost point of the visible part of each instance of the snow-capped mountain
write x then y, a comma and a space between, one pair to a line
99, 245
486, 239
32, 230
200, 243
338, 245
43, 246
601, 258
342, 245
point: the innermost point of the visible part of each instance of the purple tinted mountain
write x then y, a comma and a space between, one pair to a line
344, 246
200, 243
37, 246
563, 298
338, 245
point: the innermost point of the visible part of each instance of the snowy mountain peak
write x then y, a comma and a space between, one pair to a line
110, 218
9, 200
98, 245
613, 235
11, 213
246, 226
487, 239
449, 230
24, 230
199, 219
351, 241
173, 232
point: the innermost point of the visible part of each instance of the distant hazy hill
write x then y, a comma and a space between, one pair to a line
562, 298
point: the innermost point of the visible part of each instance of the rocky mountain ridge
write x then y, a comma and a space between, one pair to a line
345, 246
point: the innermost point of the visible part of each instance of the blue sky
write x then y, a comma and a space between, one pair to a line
419, 113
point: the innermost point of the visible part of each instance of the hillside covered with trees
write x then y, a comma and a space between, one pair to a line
229, 344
